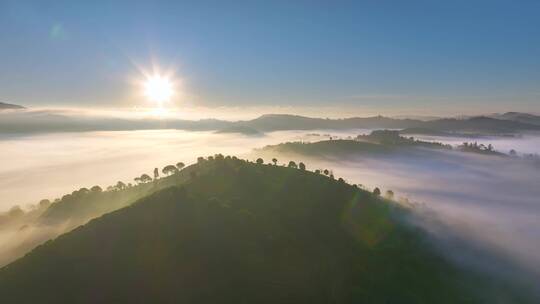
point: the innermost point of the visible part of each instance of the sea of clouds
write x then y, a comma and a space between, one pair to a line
488, 201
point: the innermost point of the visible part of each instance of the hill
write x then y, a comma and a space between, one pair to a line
240, 130
520, 117
6, 106
480, 125
238, 232
278, 122
49, 121
378, 142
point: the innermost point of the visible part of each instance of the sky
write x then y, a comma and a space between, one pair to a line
425, 56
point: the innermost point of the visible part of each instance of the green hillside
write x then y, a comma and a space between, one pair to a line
239, 232
378, 142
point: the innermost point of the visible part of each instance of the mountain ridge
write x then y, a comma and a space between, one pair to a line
9, 106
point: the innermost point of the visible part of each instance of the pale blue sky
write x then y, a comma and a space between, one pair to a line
479, 54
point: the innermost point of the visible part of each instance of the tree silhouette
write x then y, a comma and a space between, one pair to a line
377, 191
260, 161
169, 169
302, 166
145, 178
318, 171
326, 172
390, 194
180, 165
96, 189
120, 185
292, 165
513, 152
200, 159
156, 173
44, 203
274, 160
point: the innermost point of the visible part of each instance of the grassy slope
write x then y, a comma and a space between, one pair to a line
243, 233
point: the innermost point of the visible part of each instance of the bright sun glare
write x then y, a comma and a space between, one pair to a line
158, 89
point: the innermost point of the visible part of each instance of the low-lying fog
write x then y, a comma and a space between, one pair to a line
489, 200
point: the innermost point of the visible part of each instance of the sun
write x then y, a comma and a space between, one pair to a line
158, 89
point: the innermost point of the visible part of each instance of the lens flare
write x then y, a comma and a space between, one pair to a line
158, 89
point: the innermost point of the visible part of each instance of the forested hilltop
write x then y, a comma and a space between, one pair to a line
227, 230
382, 143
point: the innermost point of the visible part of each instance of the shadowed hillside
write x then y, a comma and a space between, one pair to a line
239, 232
8, 106
378, 142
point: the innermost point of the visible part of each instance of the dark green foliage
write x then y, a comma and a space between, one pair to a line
479, 148
243, 233
393, 138
169, 169
328, 147
180, 165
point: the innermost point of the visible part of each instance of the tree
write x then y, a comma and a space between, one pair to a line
120, 185
83, 191
302, 166
513, 152
292, 165
200, 159
156, 173
180, 165
44, 203
377, 191
274, 160
97, 188
137, 180
390, 194
326, 172
260, 161
317, 171
341, 180
145, 178
15, 211
169, 169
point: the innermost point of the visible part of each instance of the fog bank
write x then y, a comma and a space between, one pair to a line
486, 200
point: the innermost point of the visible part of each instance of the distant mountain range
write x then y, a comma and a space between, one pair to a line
45, 121
519, 117
6, 106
